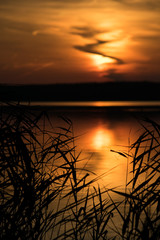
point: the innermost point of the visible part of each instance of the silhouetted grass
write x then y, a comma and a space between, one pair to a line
141, 205
45, 195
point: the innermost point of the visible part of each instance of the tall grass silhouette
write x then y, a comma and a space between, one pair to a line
44, 194
141, 205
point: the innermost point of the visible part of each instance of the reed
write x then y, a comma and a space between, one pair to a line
44, 194
141, 204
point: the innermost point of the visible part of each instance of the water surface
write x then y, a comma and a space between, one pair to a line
144, 104
100, 128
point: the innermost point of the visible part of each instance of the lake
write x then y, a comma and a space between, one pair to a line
100, 128
103, 133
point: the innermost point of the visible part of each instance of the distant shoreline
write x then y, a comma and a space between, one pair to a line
108, 91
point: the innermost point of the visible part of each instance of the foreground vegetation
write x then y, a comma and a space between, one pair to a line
45, 195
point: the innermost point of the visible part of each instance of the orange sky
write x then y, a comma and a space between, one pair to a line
79, 41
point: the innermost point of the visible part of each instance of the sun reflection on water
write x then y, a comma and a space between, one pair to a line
101, 138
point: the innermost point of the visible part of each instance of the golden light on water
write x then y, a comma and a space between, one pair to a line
104, 160
101, 138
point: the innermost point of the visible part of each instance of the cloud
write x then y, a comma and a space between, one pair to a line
91, 48
31, 68
45, 31
147, 38
85, 31
113, 75
91, 33
139, 4
71, 1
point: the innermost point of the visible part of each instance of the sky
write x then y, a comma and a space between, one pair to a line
73, 41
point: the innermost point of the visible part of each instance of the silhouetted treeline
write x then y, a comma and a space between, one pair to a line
113, 91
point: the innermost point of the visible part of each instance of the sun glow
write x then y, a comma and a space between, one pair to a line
101, 61
102, 138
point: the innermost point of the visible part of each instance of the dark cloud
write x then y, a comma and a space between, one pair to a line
90, 33
113, 75
85, 31
140, 4
91, 48
147, 38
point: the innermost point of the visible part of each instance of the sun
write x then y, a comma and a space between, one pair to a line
101, 61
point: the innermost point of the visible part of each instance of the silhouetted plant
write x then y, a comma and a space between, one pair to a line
141, 205
45, 195
42, 194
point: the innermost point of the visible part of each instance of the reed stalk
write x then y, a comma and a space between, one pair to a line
45, 195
